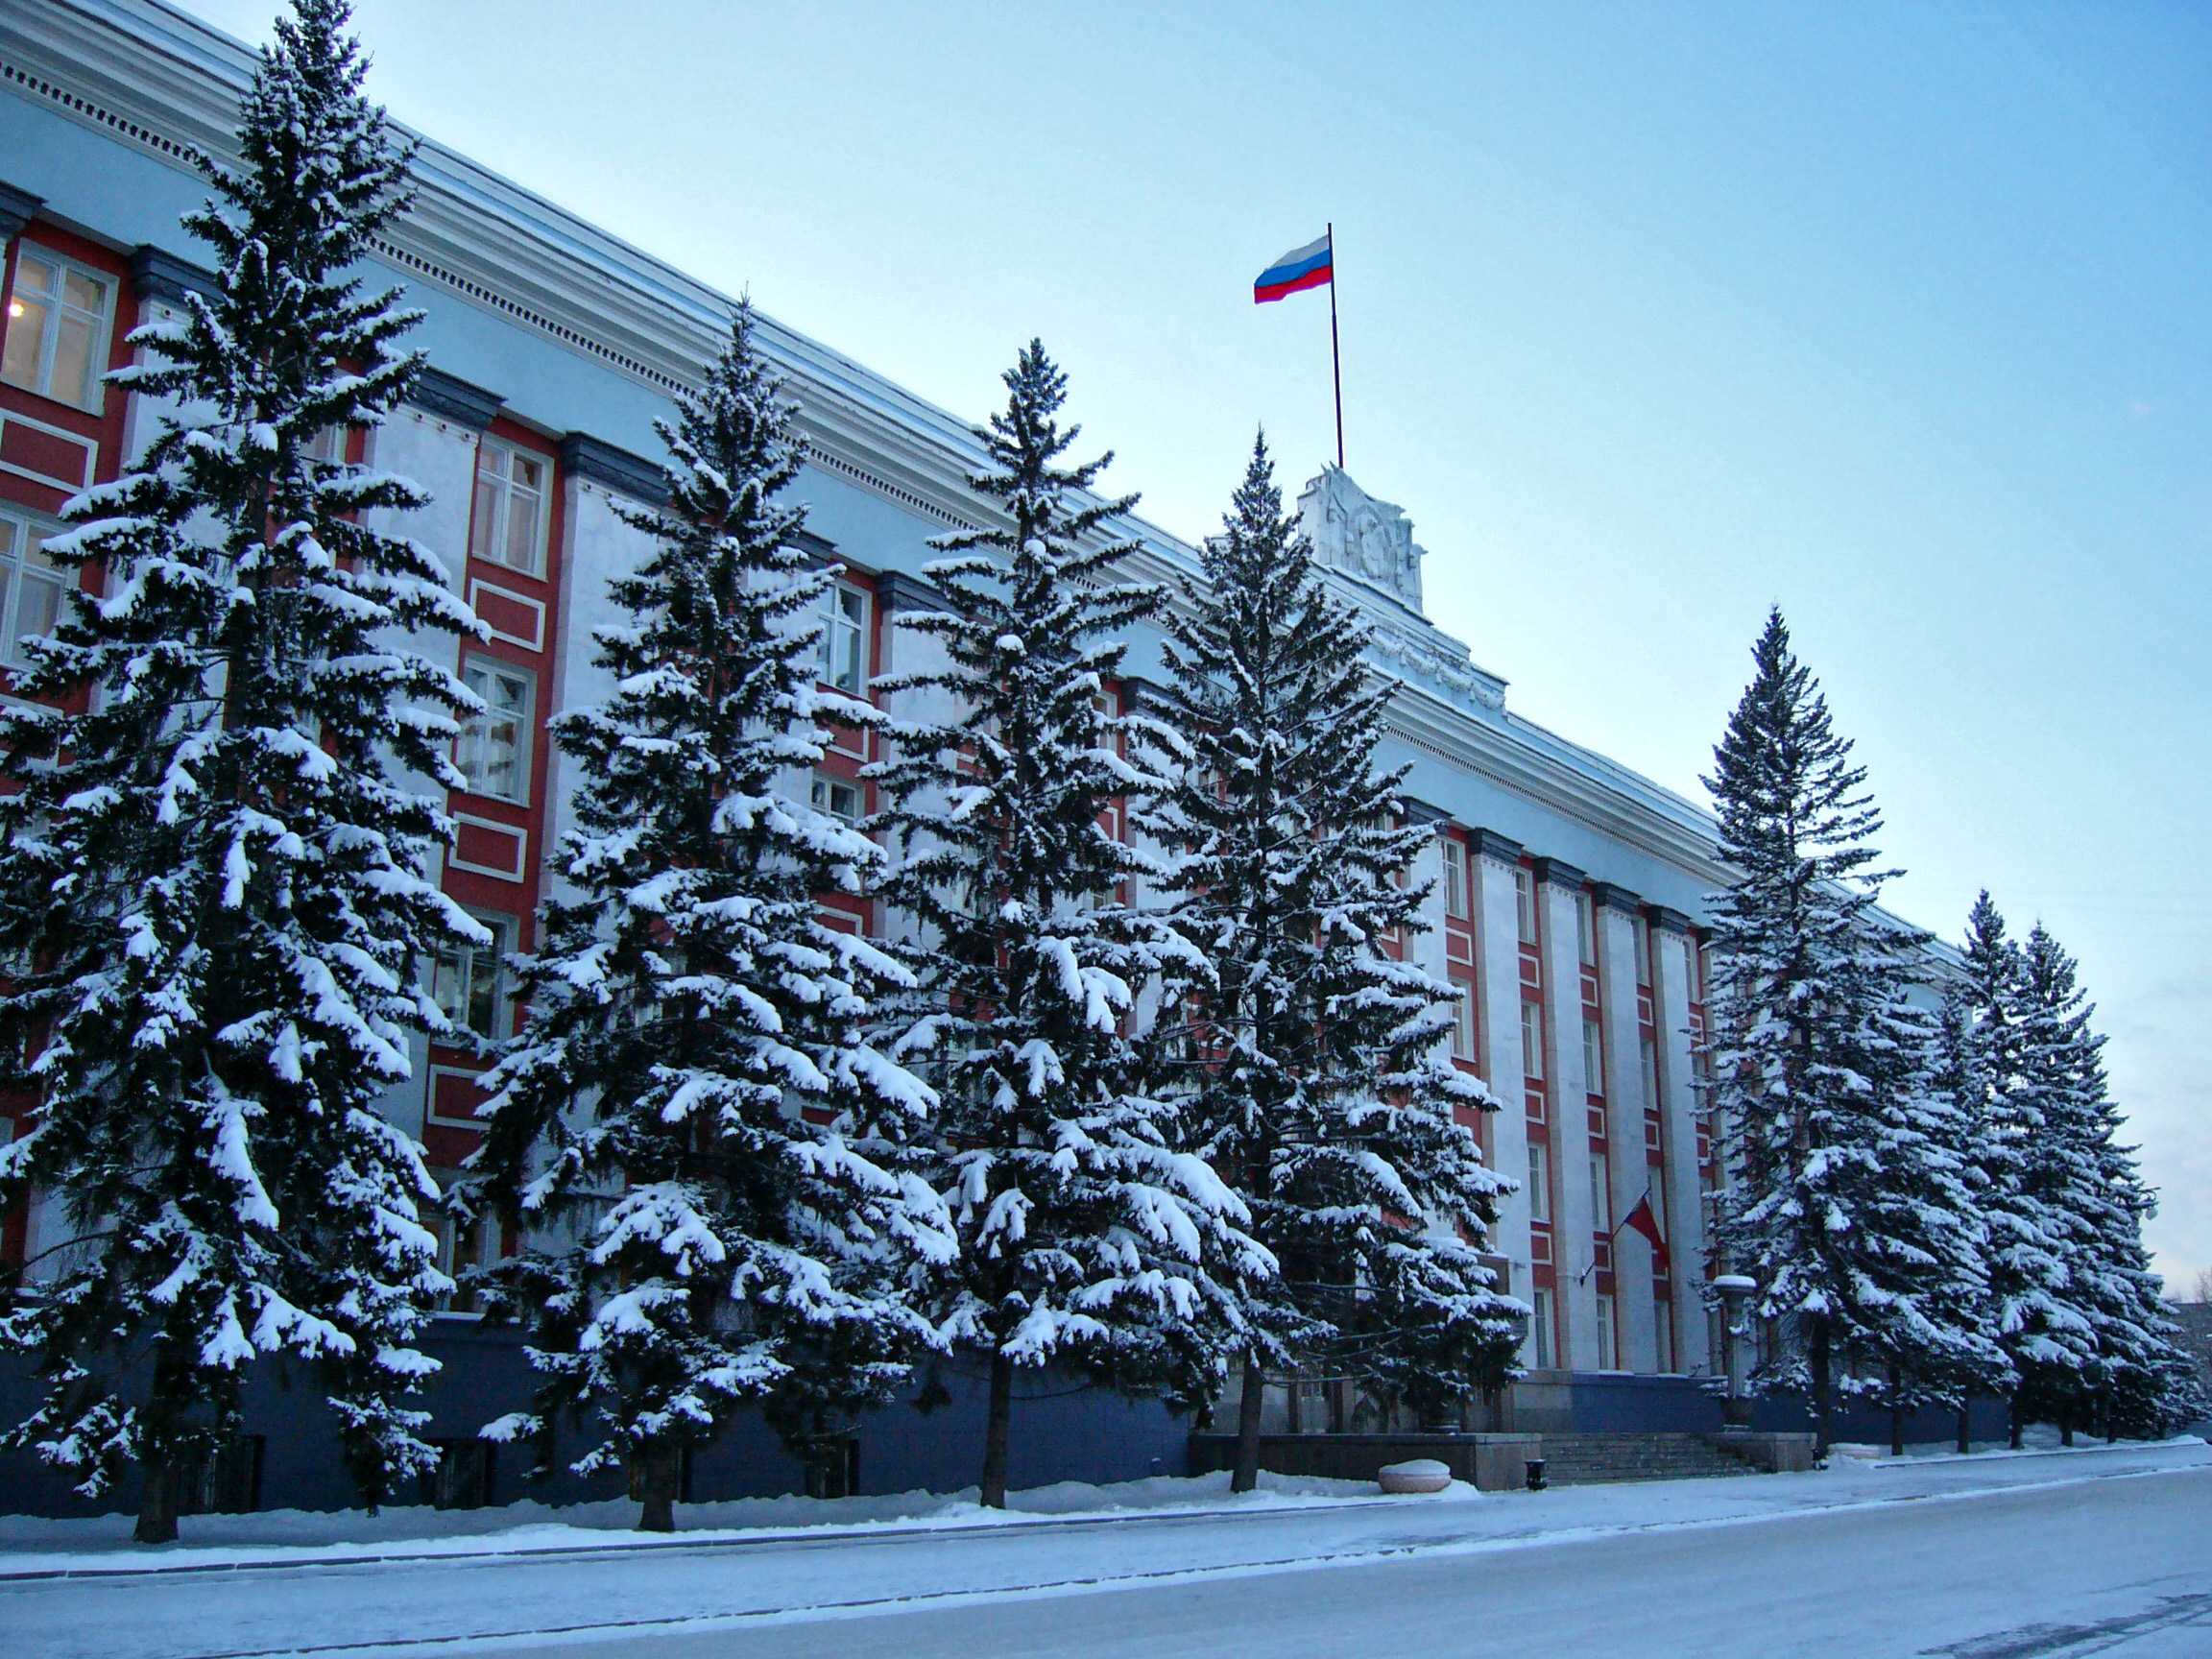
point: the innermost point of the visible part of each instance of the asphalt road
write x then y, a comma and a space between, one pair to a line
2120, 1566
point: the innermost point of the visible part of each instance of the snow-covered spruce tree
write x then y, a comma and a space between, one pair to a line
2044, 1332
693, 1079
1847, 1202
2141, 1379
1089, 1242
1317, 1081
211, 864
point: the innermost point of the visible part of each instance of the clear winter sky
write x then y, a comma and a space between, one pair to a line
1899, 315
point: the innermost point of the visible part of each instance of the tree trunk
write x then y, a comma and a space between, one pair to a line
995, 1428
1966, 1426
1896, 1413
2066, 1427
1247, 1474
656, 1467
2019, 1423
1823, 1387
157, 1501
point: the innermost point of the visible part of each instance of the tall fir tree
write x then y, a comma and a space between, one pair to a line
696, 1040
212, 864
1318, 1077
2140, 1379
1847, 1200
2039, 1324
1090, 1239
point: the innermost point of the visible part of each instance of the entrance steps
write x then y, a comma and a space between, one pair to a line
1588, 1459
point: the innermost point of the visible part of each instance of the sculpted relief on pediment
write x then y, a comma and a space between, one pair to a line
1360, 536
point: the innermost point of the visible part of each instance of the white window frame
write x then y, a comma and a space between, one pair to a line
1456, 895
1585, 930
1662, 1335
1593, 1056
1608, 1336
442, 1227
1541, 1346
1524, 905
1642, 926
1539, 1182
1531, 1041
1649, 1053
90, 396
475, 732
823, 794
1601, 1190
1463, 1022
23, 529
844, 634
488, 522
466, 960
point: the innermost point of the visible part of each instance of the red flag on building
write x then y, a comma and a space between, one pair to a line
1646, 1223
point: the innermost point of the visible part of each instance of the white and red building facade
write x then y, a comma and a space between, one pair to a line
1567, 889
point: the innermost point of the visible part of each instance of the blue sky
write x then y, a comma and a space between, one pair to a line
1651, 316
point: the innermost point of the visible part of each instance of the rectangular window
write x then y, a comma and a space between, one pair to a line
1455, 879
57, 329
1532, 1042
1659, 1201
1600, 1191
493, 751
1650, 1056
845, 638
1585, 930
1663, 1334
1539, 1183
468, 982
463, 1245
1643, 951
34, 585
1607, 1359
1463, 1023
1525, 906
839, 798
508, 523
1593, 1056
1540, 1330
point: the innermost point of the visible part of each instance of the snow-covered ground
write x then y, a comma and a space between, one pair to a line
2088, 1537
29, 1545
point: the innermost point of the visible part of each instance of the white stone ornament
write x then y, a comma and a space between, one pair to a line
1360, 535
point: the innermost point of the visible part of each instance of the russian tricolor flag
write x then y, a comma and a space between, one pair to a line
1306, 267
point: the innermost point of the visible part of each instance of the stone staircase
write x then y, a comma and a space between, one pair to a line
1587, 1460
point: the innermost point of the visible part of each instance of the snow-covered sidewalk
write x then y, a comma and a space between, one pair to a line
30, 1547
747, 1579
33, 1547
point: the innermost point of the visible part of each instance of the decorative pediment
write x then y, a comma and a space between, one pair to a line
1353, 533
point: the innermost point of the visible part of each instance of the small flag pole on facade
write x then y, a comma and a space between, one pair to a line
1301, 269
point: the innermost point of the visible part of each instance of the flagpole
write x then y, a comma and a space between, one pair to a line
1336, 357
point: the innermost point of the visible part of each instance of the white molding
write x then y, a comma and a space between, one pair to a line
519, 875
537, 642
430, 1112
90, 445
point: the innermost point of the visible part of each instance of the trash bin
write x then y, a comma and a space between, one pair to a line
1535, 1474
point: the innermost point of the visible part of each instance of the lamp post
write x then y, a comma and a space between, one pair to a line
1735, 1293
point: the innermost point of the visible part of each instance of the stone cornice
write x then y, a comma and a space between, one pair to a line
16, 210
896, 590
1489, 844
155, 274
450, 398
1421, 813
1610, 896
1672, 920
1558, 873
616, 468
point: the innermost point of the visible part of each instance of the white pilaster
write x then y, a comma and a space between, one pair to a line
1497, 983
1678, 1140
1624, 1129
1572, 1222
